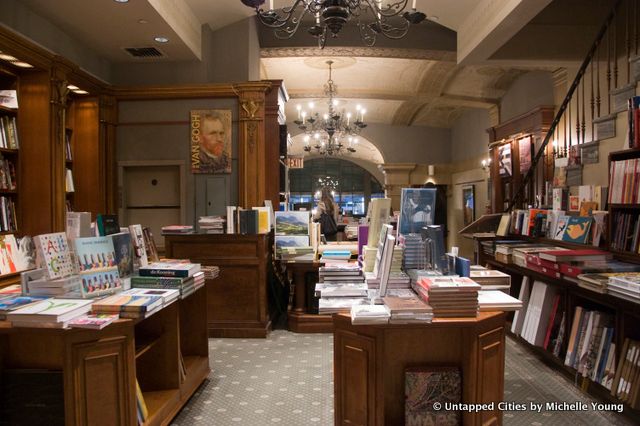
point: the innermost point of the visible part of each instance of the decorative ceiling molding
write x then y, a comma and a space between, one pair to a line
370, 52
350, 95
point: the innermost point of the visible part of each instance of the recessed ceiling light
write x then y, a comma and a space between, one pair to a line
72, 87
6, 57
121, 1
433, 18
81, 92
142, 21
22, 64
161, 39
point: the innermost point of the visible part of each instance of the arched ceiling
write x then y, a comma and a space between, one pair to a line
365, 150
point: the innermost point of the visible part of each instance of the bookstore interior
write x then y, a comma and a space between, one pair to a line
319, 212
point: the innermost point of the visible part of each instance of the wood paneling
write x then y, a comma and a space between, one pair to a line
383, 353
101, 382
237, 299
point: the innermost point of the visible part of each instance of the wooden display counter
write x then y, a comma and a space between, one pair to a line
300, 320
99, 368
370, 362
237, 299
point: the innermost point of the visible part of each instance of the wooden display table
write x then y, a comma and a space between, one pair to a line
370, 361
99, 367
300, 320
237, 299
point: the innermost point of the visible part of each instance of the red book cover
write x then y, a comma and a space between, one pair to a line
543, 270
535, 260
552, 317
569, 255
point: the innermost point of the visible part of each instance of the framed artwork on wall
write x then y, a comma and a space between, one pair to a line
504, 159
468, 204
210, 141
524, 149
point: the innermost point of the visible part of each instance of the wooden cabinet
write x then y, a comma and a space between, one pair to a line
166, 353
237, 299
370, 362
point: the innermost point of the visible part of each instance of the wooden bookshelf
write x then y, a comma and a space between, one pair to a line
107, 362
625, 314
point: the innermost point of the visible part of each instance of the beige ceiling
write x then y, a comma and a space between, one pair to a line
396, 86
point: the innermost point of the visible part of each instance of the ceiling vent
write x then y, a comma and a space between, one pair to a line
144, 52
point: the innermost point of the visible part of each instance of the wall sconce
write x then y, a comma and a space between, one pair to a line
431, 169
486, 164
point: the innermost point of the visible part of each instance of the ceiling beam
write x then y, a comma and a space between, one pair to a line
183, 21
363, 52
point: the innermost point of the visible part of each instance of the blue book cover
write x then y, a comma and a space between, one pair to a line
577, 230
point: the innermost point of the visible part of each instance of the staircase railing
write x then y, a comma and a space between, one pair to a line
604, 46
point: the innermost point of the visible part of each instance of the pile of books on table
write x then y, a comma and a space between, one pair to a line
369, 314
210, 272
177, 229
449, 296
414, 251
136, 303
491, 280
396, 280
625, 286
408, 310
496, 300
340, 284
332, 305
173, 275
212, 224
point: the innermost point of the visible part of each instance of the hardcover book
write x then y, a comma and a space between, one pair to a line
51, 310
417, 209
52, 253
140, 250
107, 224
97, 266
8, 254
292, 223
577, 230
12, 302
429, 385
150, 244
170, 269
124, 253
127, 303
93, 321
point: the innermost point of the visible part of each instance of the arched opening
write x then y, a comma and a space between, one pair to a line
353, 185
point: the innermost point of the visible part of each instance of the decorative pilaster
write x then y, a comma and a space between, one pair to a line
252, 185
396, 177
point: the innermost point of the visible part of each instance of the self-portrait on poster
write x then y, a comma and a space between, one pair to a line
210, 141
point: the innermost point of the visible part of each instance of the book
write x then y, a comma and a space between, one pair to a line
577, 230
417, 209
78, 224
97, 266
127, 302
167, 295
124, 253
53, 254
425, 386
51, 310
107, 224
150, 244
12, 302
93, 321
264, 219
169, 269
140, 250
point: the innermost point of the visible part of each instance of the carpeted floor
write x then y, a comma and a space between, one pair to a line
287, 379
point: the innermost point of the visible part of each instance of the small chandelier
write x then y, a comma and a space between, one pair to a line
329, 131
329, 16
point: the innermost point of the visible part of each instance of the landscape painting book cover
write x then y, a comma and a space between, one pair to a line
429, 385
292, 223
292, 241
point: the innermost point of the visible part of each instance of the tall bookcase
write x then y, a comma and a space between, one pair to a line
9, 158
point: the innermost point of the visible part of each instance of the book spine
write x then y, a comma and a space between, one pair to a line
145, 272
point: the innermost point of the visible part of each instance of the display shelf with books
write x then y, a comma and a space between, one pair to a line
574, 297
624, 204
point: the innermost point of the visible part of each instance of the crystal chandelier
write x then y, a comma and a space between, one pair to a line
372, 17
326, 134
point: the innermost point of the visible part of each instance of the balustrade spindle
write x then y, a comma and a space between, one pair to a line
592, 104
609, 71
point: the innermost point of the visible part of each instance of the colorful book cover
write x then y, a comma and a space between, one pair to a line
8, 254
52, 252
561, 227
292, 223
150, 244
97, 265
93, 321
577, 230
26, 255
424, 387
124, 302
9, 303
54, 310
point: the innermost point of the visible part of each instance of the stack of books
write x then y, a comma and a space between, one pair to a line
520, 253
369, 258
332, 305
302, 253
177, 229
625, 286
35, 283
396, 280
408, 310
341, 272
449, 296
335, 256
185, 285
170, 268
128, 305
9, 303
504, 250
496, 300
370, 314
49, 313
397, 259
168, 295
210, 272
414, 251
339, 289
212, 224
491, 280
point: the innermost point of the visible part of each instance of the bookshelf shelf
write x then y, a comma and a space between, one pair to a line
7, 110
625, 206
143, 346
9, 151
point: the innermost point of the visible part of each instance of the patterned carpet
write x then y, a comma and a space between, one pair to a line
287, 379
